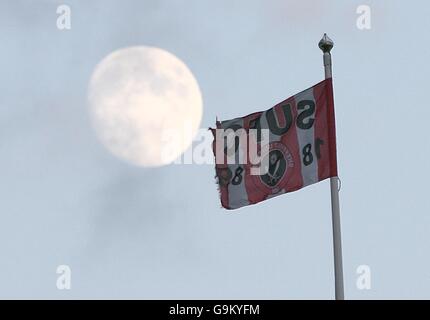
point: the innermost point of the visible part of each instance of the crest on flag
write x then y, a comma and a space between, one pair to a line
299, 148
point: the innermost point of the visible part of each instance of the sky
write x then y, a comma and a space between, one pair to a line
129, 232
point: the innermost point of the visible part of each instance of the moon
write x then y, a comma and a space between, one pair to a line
145, 105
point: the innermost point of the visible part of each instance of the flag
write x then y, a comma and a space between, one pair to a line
301, 148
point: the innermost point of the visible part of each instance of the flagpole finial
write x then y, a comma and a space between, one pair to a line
326, 44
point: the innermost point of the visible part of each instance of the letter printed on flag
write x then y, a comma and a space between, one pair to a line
301, 148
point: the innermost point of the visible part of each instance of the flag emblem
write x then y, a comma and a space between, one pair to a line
279, 160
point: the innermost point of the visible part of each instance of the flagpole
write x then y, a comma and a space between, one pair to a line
326, 44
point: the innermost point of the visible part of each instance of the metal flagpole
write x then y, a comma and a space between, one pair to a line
326, 44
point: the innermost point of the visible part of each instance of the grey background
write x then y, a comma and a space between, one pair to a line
130, 232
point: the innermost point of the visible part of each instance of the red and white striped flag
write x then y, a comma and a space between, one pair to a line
301, 148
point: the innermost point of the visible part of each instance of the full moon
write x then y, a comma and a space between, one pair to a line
145, 105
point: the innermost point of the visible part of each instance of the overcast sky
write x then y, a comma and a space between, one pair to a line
131, 232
